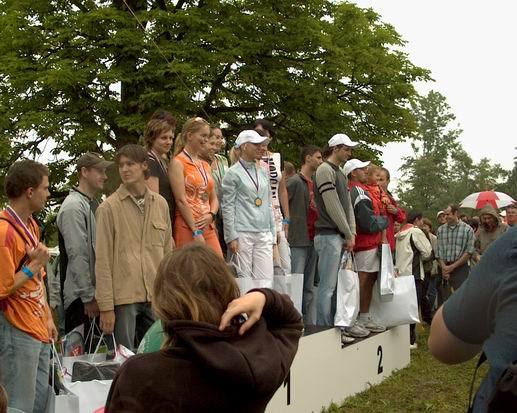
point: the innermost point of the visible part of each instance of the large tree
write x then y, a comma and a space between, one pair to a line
440, 171
85, 75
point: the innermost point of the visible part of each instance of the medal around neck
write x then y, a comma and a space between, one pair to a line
258, 201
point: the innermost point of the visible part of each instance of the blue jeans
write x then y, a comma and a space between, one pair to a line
330, 251
303, 261
24, 363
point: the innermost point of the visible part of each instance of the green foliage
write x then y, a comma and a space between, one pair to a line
440, 172
86, 76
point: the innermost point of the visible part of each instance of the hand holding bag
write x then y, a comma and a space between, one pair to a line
402, 309
347, 293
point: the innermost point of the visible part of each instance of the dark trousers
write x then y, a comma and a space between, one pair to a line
74, 317
447, 287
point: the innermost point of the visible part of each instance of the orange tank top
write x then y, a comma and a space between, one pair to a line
198, 184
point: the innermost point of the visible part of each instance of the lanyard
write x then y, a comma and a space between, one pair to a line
256, 184
201, 170
29, 234
158, 159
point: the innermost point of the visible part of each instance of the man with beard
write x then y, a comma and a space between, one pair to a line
490, 229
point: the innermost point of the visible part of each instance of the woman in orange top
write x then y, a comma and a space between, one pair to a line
194, 188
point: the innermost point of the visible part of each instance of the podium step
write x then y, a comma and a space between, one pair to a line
324, 371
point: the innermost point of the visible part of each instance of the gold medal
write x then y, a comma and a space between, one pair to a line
258, 201
204, 197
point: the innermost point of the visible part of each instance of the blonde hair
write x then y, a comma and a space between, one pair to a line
372, 168
234, 155
190, 126
192, 283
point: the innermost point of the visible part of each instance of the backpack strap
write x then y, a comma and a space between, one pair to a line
482, 359
25, 258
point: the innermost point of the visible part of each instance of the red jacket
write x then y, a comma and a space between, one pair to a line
369, 222
399, 216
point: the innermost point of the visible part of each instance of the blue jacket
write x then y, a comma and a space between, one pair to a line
240, 213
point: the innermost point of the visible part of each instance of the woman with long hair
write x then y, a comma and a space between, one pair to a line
158, 139
213, 359
194, 188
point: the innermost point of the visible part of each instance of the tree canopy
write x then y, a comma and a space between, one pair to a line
440, 172
86, 75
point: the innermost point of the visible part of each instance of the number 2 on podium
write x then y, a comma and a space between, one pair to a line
379, 366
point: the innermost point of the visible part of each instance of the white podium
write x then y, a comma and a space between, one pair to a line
323, 372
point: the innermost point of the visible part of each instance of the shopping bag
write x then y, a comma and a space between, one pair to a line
292, 285
402, 309
386, 277
347, 293
92, 394
60, 398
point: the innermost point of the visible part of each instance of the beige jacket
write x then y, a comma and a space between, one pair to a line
129, 247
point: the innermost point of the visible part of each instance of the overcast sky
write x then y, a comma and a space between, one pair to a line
470, 48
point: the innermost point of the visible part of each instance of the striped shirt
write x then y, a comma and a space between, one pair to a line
455, 241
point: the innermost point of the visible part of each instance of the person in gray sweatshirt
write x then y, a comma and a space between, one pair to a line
335, 226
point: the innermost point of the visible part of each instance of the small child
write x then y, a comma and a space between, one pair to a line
377, 194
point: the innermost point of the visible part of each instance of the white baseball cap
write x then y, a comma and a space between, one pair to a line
249, 136
440, 213
353, 164
342, 139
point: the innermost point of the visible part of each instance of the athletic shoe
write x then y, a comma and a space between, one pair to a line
413, 346
372, 326
357, 331
346, 339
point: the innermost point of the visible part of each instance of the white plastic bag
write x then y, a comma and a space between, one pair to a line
403, 309
65, 401
347, 293
92, 394
386, 280
292, 285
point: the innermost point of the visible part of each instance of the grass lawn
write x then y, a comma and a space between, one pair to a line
425, 385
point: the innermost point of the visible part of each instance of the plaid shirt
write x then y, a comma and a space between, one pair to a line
455, 241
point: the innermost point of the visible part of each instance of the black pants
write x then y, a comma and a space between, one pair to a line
456, 278
74, 317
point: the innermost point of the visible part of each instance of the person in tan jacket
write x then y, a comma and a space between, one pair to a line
133, 235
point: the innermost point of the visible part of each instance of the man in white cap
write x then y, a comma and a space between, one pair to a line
335, 227
370, 225
441, 218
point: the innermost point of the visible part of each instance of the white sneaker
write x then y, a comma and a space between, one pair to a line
356, 330
372, 326
413, 346
345, 338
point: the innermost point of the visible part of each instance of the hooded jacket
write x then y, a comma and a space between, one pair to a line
369, 224
412, 247
484, 238
207, 370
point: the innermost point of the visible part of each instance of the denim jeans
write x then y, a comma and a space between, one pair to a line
304, 261
24, 363
330, 251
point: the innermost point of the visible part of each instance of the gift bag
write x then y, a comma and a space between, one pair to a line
60, 398
386, 279
402, 309
347, 293
292, 285
92, 394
